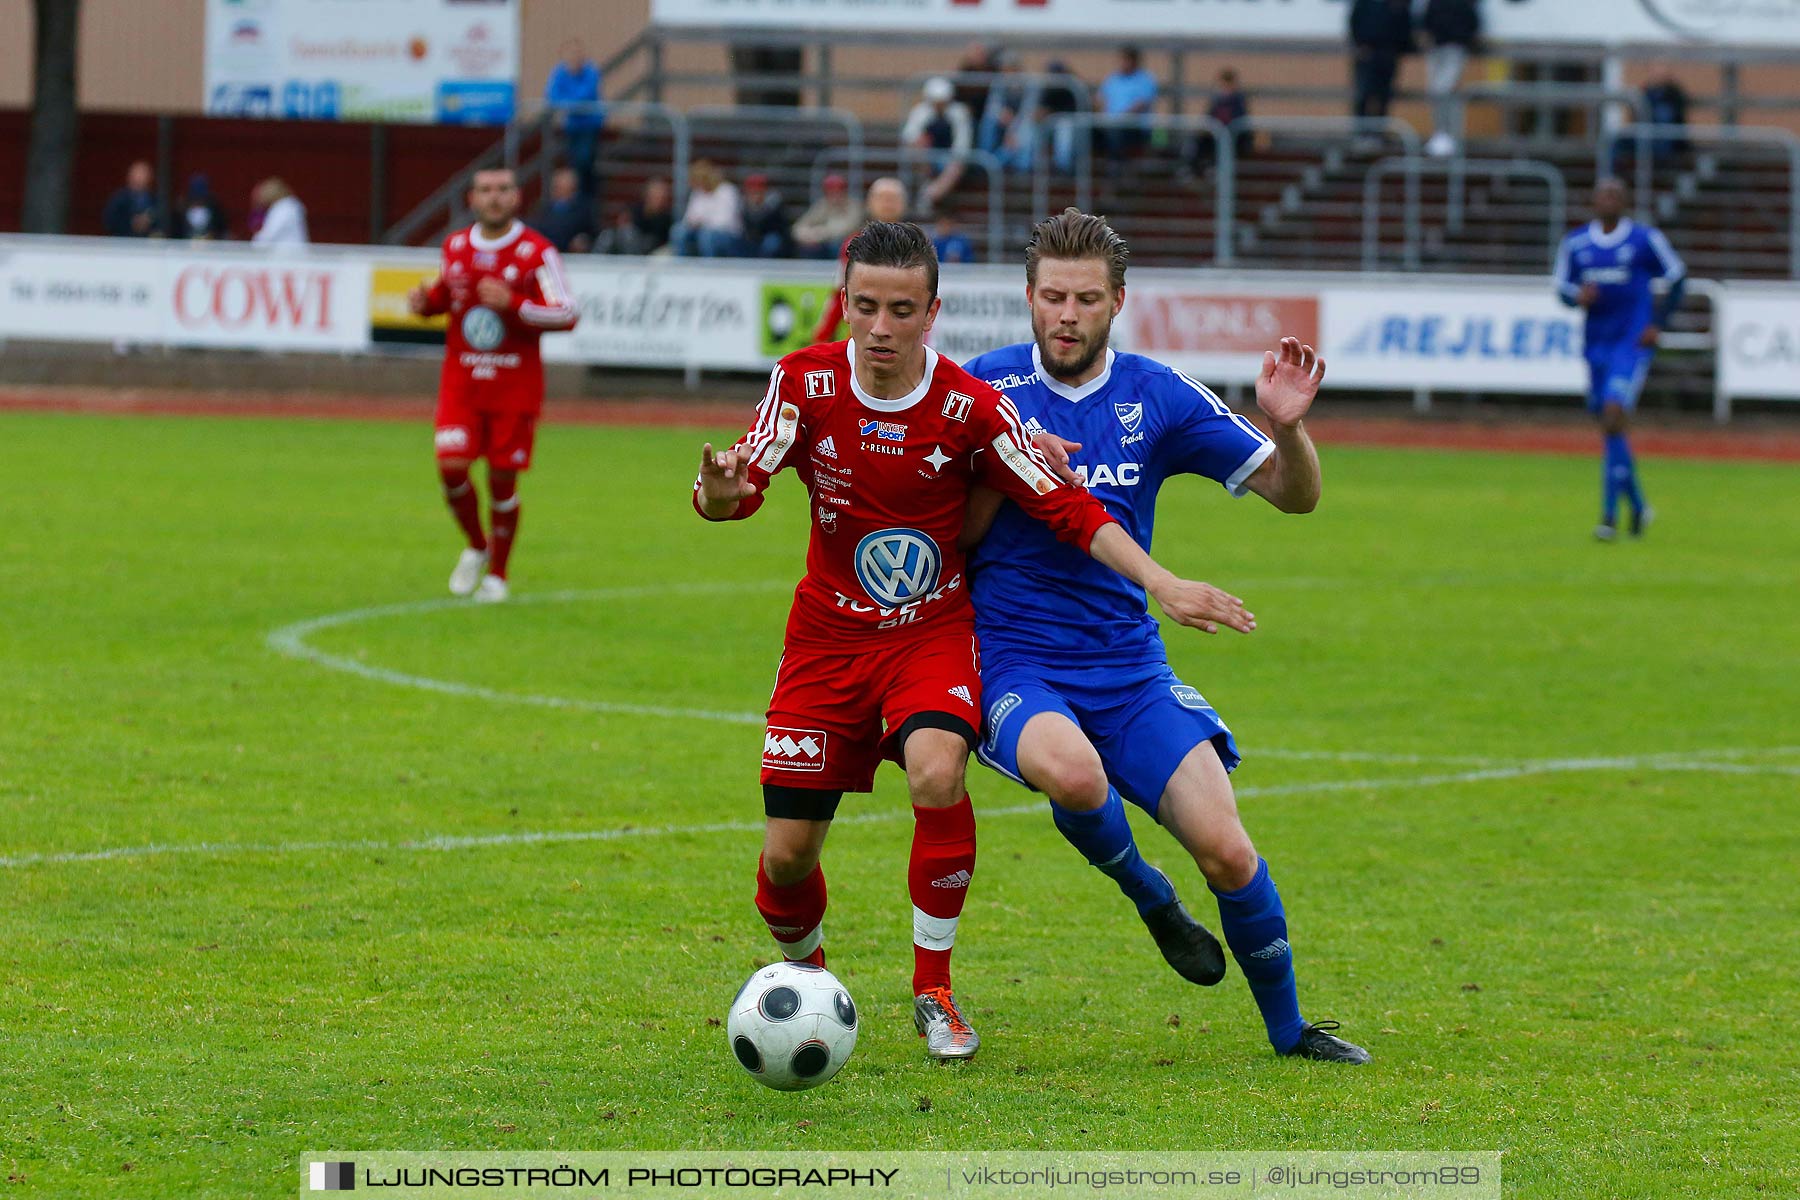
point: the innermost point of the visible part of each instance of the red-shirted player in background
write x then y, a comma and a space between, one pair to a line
503, 286
880, 658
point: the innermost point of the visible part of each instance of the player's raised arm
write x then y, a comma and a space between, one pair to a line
1016, 467
1285, 390
731, 484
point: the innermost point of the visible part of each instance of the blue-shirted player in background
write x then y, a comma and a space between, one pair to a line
1608, 267
1081, 702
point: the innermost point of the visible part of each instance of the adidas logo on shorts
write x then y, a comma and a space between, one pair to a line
962, 693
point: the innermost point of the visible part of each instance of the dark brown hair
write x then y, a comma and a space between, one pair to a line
1073, 234
893, 244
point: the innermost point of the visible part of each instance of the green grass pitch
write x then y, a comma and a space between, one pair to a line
1530, 800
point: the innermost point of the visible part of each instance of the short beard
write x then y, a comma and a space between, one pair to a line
1081, 364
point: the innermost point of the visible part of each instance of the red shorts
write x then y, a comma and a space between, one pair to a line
465, 431
834, 717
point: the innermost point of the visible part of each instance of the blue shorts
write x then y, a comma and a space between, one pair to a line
1142, 720
1616, 374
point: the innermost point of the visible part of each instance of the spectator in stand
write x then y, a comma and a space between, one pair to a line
1665, 103
712, 225
1005, 103
939, 126
831, 219
132, 211
1055, 100
645, 227
1227, 106
1381, 32
1449, 31
953, 246
978, 59
572, 95
886, 202
766, 232
564, 215
1127, 92
201, 218
282, 216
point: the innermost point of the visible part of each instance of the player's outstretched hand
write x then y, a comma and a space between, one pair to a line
417, 299
1204, 607
1290, 379
724, 479
1057, 450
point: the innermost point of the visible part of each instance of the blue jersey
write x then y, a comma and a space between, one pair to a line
1138, 423
1623, 264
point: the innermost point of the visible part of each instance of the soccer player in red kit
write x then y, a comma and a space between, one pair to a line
880, 658
503, 286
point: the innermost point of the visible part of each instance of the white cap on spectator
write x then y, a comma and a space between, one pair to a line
937, 89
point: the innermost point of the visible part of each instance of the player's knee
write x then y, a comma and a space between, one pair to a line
934, 779
787, 863
1074, 781
1231, 864
453, 471
1612, 417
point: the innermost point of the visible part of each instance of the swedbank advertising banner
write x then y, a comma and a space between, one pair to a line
1604, 22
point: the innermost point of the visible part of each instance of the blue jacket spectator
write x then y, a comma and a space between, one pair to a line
132, 211
200, 216
953, 246
1128, 91
573, 97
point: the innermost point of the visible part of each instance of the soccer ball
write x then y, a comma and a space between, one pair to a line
791, 1026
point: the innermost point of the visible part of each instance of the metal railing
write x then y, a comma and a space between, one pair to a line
1081, 127
1545, 98
1643, 137
1457, 171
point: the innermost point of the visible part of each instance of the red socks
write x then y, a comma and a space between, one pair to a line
943, 860
465, 506
503, 515
794, 915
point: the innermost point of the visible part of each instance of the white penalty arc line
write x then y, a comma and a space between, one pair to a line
1548, 766
291, 641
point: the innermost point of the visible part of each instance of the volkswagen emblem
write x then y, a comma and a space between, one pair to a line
897, 566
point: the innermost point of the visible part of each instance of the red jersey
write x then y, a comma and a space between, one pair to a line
491, 359
889, 482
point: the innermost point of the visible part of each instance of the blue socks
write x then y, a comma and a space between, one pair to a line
1104, 839
1255, 928
1619, 479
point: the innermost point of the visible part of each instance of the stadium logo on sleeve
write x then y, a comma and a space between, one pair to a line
483, 329
897, 566
1130, 416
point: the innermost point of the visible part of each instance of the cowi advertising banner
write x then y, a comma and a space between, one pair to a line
169, 294
1587, 22
446, 61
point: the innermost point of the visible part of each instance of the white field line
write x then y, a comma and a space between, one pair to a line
1548, 766
291, 640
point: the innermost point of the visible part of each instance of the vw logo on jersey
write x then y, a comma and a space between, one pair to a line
1130, 416
897, 566
483, 329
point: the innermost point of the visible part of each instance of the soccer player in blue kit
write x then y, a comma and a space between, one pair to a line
1608, 267
1081, 703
